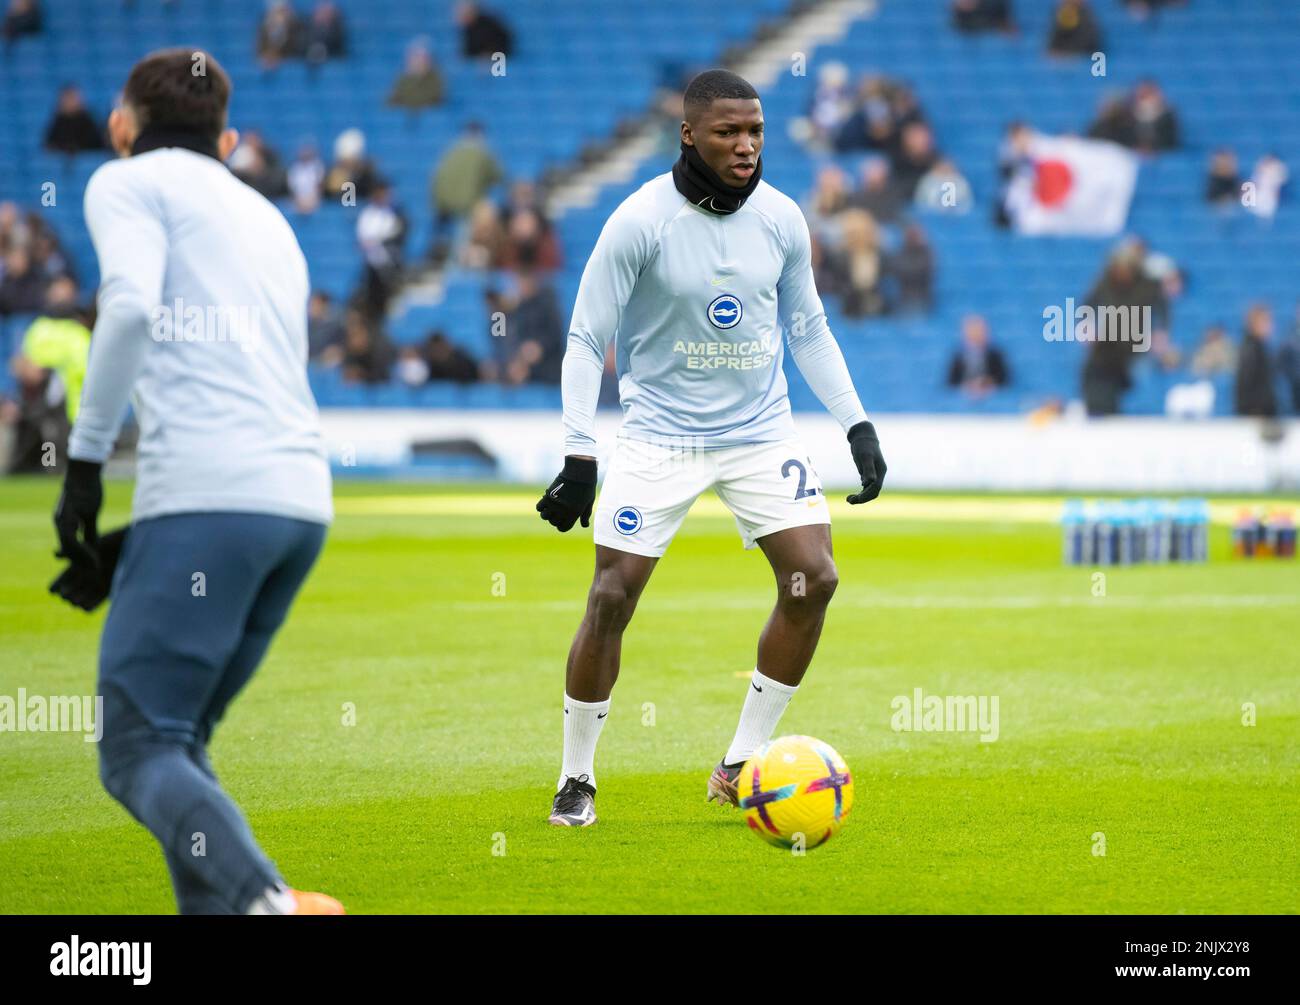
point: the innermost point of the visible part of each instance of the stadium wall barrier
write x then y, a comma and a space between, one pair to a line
924, 452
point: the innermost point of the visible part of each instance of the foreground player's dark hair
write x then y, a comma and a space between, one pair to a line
707, 87
179, 89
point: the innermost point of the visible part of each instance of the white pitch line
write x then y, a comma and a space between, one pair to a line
762, 601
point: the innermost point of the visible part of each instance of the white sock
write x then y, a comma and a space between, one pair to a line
583, 721
765, 700
274, 900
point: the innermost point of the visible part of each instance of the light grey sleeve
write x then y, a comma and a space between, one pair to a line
131, 244
812, 345
607, 281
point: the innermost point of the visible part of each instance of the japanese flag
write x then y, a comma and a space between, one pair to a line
1074, 186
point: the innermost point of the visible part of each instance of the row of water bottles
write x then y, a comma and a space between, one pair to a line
1129, 531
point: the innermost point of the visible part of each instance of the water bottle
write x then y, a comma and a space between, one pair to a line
1072, 532
1089, 535
1160, 537
1107, 535
1286, 535
1243, 535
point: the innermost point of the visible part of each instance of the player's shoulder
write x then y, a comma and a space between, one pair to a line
772, 202
654, 203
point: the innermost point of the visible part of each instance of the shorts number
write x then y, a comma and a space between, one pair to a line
803, 492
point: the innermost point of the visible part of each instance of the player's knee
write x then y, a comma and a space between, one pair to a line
811, 588
611, 603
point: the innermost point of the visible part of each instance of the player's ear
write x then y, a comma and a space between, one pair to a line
686, 134
226, 143
121, 131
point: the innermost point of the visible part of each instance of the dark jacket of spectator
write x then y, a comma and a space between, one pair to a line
986, 363
1288, 361
1223, 183
912, 268
280, 35
483, 34
326, 36
1075, 31
1255, 391
448, 361
72, 128
22, 18
982, 15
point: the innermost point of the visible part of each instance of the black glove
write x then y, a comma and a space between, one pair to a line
571, 494
88, 586
870, 462
78, 513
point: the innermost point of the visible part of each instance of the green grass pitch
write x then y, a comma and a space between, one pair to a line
1120, 715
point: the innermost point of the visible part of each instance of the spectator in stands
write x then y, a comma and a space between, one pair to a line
1106, 373
982, 15
826, 203
912, 269
412, 367
872, 125
325, 331
1143, 122
1223, 180
483, 35
280, 36
72, 129
1215, 355
22, 283
1288, 361
49, 369
1256, 369
1075, 31
353, 175
1267, 181
831, 104
23, 17
448, 361
915, 157
381, 234
420, 84
326, 34
306, 177
485, 243
878, 194
854, 271
466, 173
978, 367
258, 166
1013, 159
367, 353
536, 330
529, 241
944, 189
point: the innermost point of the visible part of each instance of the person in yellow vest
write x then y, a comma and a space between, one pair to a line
50, 367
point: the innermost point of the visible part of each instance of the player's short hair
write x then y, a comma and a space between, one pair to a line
707, 87
179, 89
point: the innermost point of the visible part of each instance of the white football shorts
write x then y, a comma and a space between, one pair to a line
649, 488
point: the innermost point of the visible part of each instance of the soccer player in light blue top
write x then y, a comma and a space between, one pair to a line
695, 277
203, 324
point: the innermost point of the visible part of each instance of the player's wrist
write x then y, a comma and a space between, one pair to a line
579, 468
862, 429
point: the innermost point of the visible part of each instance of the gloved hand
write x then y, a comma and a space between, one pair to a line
570, 496
77, 513
870, 462
88, 586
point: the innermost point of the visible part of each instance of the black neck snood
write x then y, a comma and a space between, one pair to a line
701, 185
155, 138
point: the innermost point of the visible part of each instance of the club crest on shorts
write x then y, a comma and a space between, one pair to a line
725, 311
627, 520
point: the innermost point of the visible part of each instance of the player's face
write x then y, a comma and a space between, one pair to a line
729, 136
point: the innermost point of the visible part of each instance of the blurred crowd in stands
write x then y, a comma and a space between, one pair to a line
870, 249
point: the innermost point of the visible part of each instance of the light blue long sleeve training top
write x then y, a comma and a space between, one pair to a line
697, 304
